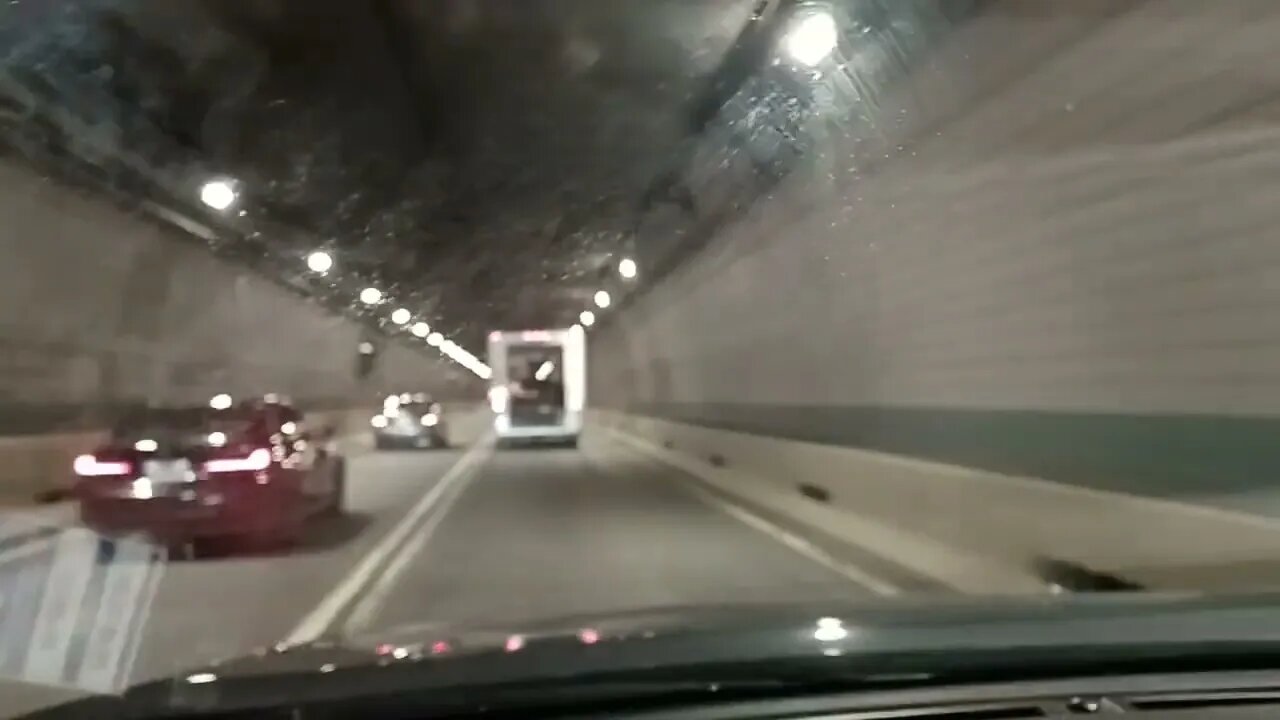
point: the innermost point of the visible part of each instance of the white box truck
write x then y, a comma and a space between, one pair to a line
538, 388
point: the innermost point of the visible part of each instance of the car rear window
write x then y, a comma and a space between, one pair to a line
152, 422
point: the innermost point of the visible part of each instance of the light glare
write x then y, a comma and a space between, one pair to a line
812, 38
217, 194
371, 296
587, 318
141, 488
401, 316
627, 268
320, 262
602, 299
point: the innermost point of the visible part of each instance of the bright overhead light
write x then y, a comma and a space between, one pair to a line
320, 261
602, 299
146, 445
627, 268
365, 348
221, 401
217, 438
401, 316
587, 318
830, 630
420, 329
371, 296
812, 38
435, 339
218, 194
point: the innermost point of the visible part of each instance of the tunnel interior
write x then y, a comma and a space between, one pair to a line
881, 298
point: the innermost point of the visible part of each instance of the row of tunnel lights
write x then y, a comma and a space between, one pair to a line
628, 269
812, 37
221, 195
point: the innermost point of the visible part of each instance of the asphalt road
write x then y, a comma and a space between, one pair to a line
478, 535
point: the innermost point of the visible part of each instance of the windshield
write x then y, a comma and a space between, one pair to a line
558, 314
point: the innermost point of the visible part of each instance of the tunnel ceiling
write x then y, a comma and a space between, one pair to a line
480, 160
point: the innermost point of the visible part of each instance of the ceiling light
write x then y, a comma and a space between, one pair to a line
401, 316
602, 299
320, 262
371, 296
221, 401
434, 339
811, 38
218, 194
587, 318
627, 268
421, 329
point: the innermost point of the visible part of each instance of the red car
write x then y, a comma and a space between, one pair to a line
254, 472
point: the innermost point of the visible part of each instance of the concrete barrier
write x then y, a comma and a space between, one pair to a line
973, 530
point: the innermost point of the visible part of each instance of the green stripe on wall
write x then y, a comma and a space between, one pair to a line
1227, 461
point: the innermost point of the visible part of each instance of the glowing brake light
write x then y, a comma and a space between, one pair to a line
90, 466
259, 459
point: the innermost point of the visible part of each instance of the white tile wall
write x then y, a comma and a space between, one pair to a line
1100, 233
82, 281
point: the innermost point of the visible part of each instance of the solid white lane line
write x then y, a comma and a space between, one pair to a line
852, 572
797, 543
372, 601
322, 616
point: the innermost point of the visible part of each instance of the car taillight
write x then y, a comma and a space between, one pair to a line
90, 466
259, 459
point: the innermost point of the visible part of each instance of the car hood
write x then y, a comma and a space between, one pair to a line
927, 640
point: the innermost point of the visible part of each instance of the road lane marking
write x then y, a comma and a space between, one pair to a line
798, 544
372, 601
323, 615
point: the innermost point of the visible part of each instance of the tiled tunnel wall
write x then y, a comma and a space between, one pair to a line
1064, 264
99, 306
